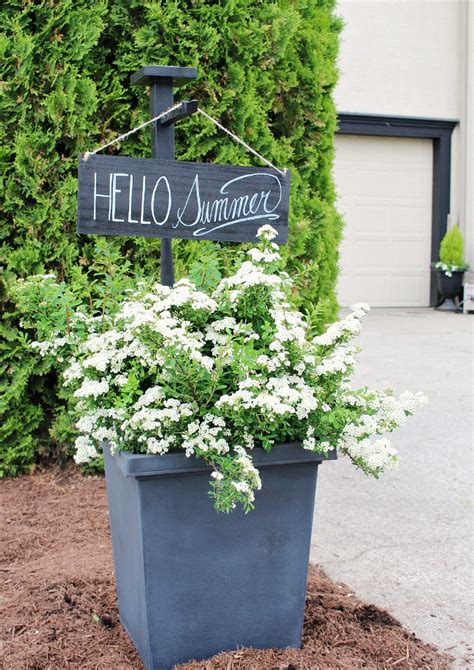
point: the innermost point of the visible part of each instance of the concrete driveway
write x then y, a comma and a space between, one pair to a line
405, 542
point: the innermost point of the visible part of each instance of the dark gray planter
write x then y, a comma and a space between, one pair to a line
192, 582
450, 290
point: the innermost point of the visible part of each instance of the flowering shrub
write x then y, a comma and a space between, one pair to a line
218, 374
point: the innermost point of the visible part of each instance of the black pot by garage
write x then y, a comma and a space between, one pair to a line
450, 290
191, 581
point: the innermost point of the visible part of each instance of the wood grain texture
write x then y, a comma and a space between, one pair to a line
178, 199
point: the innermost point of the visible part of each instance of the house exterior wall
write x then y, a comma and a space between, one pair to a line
415, 58
467, 168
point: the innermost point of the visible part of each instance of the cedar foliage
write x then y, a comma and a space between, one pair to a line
266, 70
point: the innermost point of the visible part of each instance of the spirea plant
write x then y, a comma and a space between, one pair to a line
216, 374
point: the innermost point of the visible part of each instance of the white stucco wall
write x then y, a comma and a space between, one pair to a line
467, 162
414, 58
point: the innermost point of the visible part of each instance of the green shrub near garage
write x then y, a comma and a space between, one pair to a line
266, 70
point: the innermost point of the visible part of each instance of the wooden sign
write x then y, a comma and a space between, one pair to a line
164, 198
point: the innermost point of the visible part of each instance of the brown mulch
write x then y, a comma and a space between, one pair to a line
58, 608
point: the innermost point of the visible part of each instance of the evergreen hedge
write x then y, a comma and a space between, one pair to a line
266, 70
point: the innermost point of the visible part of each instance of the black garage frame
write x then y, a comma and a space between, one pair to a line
437, 130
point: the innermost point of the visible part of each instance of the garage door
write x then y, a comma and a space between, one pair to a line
384, 188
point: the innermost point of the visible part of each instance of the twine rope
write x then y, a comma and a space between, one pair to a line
235, 137
240, 141
130, 132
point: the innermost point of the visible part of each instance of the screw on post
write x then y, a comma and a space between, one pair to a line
162, 79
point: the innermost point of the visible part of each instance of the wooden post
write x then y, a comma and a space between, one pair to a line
162, 80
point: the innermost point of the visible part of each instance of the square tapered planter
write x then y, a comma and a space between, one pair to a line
192, 582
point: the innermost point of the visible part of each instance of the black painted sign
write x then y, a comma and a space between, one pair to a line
161, 198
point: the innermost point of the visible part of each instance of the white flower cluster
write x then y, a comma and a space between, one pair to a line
342, 360
91, 387
157, 421
95, 427
249, 476
49, 347
388, 413
248, 275
272, 397
267, 233
267, 256
345, 328
375, 456
214, 375
208, 435
85, 449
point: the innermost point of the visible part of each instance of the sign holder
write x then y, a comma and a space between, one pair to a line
167, 198
162, 79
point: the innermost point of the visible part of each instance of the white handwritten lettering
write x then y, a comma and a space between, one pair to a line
251, 197
130, 195
116, 190
142, 209
102, 195
153, 195
223, 212
193, 193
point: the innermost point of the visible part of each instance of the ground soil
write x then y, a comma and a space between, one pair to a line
59, 610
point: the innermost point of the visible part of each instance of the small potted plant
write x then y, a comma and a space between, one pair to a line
451, 268
225, 400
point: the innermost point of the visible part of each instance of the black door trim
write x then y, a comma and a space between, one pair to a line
437, 130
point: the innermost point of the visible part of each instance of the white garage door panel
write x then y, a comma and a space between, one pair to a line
407, 285
384, 193
372, 287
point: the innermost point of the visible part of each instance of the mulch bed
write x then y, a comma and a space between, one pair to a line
59, 610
